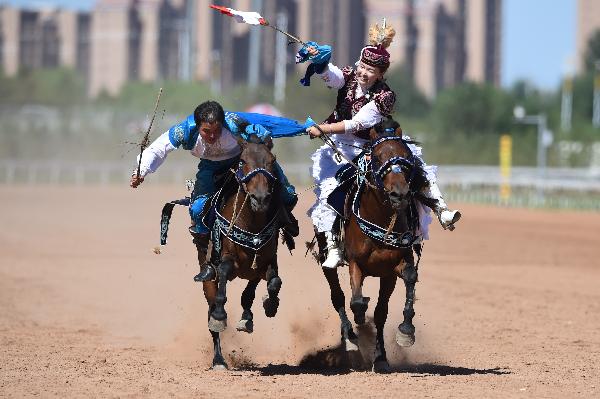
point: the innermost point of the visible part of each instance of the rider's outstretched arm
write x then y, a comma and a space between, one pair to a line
156, 153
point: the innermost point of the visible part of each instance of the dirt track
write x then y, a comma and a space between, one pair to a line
509, 306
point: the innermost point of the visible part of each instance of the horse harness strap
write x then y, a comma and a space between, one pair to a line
394, 164
165, 217
227, 228
378, 233
242, 179
253, 241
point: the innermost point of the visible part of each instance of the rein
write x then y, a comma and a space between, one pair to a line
329, 141
393, 165
252, 241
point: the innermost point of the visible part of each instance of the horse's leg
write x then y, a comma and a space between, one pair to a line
217, 321
405, 336
246, 323
386, 288
358, 303
271, 300
210, 293
338, 299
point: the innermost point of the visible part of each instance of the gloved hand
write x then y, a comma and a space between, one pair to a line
314, 52
319, 57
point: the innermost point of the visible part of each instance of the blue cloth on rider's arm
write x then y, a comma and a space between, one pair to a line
235, 123
319, 61
259, 130
278, 126
184, 133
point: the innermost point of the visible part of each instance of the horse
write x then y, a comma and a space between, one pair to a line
379, 232
245, 240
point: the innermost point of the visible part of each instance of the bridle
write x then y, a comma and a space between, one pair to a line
395, 164
245, 178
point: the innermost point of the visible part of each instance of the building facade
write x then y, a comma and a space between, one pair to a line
43, 38
440, 42
588, 22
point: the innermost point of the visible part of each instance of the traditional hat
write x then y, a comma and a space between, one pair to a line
380, 38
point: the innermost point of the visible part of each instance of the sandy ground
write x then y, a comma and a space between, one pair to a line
508, 306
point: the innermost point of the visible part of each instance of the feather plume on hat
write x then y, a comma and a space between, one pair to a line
381, 35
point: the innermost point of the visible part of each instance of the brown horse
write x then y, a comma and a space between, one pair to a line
379, 234
245, 236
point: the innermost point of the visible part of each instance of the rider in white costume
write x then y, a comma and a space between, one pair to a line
363, 101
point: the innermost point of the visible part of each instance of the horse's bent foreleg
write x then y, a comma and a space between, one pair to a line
271, 300
218, 317
358, 303
386, 288
349, 338
246, 323
405, 336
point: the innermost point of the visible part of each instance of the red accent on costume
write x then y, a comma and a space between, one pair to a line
375, 56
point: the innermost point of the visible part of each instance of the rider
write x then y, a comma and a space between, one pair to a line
363, 100
210, 134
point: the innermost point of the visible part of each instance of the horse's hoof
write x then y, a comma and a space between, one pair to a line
217, 326
381, 366
404, 340
245, 326
219, 366
351, 345
359, 308
270, 304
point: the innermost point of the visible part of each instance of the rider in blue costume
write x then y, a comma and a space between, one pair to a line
211, 135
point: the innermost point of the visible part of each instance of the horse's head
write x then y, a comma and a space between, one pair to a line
256, 171
393, 166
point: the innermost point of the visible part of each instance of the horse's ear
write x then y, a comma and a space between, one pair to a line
398, 132
269, 142
373, 134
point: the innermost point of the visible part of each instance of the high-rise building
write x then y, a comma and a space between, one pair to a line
439, 42
483, 30
42, 38
588, 22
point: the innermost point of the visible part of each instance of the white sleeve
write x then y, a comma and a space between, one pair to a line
333, 77
367, 117
155, 154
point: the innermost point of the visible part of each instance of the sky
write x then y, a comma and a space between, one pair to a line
538, 38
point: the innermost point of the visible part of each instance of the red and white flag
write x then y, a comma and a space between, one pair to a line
248, 17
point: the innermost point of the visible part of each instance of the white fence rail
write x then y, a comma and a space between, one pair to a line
103, 172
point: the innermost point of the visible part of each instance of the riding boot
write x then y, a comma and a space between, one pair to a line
447, 217
207, 270
334, 253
